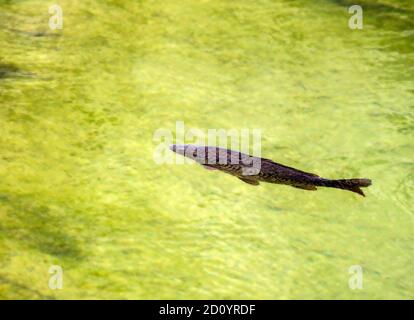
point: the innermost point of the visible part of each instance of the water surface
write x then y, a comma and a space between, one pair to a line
79, 187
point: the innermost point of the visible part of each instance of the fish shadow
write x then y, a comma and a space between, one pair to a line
8, 70
38, 227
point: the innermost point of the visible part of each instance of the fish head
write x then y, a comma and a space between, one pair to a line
196, 153
216, 157
178, 148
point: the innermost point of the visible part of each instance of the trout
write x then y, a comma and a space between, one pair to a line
253, 170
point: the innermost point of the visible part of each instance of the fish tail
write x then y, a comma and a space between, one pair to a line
353, 185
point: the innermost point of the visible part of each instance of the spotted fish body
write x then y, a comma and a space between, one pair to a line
254, 170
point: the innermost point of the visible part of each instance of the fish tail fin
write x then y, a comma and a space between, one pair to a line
353, 185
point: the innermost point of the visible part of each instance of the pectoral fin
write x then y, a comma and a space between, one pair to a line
208, 167
306, 187
250, 181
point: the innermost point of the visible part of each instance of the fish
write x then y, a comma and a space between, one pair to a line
253, 170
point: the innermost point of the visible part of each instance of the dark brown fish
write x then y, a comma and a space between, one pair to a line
254, 170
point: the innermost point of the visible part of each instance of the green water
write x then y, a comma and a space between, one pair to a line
79, 187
